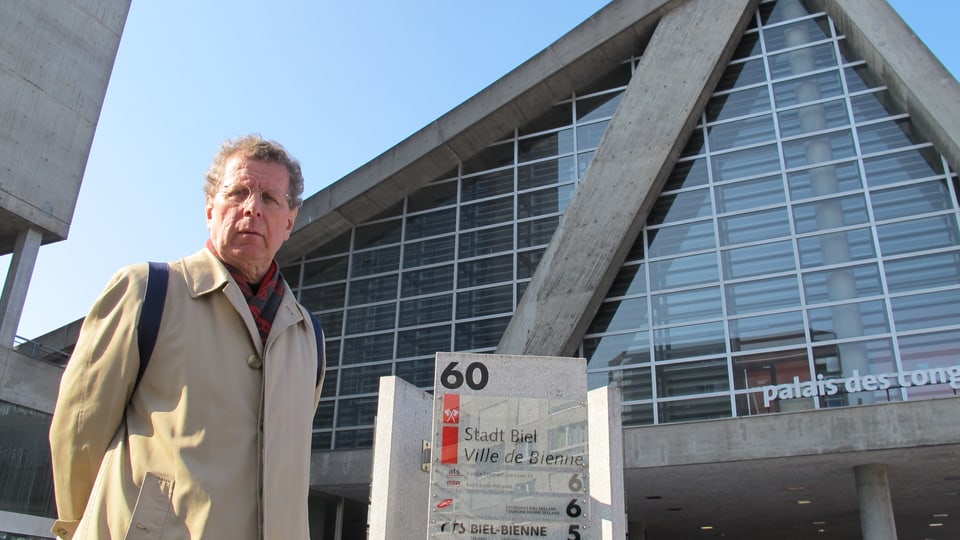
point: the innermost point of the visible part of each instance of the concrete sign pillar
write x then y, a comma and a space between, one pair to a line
516, 447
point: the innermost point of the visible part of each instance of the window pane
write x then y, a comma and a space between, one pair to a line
544, 173
873, 106
911, 200
634, 384
377, 234
918, 234
935, 353
371, 318
618, 350
597, 107
375, 261
689, 341
888, 136
323, 298
806, 89
926, 310
423, 341
775, 367
800, 61
740, 74
426, 310
744, 163
756, 260
765, 331
432, 196
842, 283
754, 226
816, 117
767, 294
588, 136
620, 315
836, 247
363, 379
417, 372
909, 165
848, 320
687, 174
544, 201
486, 213
749, 194
690, 410
679, 239
830, 213
485, 271
691, 378
681, 207
741, 133
541, 146
489, 301
486, 241
925, 272
537, 232
793, 34
317, 272
818, 149
683, 306
824, 180
427, 281
487, 185
368, 348
431, 251
480, 334
683, 271
357, 411
630, 281
431, 224
735, 104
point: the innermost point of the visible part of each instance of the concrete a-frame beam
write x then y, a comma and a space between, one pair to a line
913, 75
679, 69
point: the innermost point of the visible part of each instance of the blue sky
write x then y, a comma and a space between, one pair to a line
337, 83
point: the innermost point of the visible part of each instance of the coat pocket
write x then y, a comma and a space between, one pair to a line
154, 505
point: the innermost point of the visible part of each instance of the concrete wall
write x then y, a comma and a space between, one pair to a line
55, 62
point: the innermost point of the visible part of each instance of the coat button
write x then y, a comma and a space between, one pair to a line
254, 362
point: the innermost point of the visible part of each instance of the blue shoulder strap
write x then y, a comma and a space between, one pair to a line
321, 357
149, 325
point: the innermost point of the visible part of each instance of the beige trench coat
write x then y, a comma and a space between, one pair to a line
184, 456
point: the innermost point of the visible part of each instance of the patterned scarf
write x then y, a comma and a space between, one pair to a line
265, 300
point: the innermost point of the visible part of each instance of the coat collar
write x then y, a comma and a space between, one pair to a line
205, 274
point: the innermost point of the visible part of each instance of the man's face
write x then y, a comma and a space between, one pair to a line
250, 216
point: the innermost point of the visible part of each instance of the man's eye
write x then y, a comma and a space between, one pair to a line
270, 198
238, 194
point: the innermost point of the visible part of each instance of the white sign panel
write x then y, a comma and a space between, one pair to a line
511, 466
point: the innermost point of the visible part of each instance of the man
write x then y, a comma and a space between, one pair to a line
214, 441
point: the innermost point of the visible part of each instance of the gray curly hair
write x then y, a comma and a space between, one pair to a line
256, 148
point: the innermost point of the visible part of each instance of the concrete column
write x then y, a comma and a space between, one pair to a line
876, 510
18, 281
674, 79
400, 488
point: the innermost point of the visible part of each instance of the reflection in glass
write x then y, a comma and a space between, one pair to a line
689, 341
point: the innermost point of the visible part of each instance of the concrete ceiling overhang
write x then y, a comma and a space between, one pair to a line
576, 60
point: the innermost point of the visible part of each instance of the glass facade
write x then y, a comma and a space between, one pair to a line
26, 476
804, 253
808, 233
